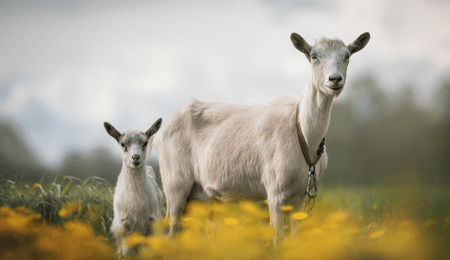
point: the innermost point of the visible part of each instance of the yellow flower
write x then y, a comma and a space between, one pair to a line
189, 241
230, 221
187, 219
299, 215
134, 239
158, 244
338, 217
377, 234
251, 208
197, 210
39, 186
316, 232
18, 222
64, 213
79, 230
69, 208
286, 208
26, 212
374, 206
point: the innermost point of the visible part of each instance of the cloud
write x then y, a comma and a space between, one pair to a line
130, 62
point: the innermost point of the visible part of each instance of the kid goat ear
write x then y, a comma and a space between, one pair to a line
112, 131
154, 128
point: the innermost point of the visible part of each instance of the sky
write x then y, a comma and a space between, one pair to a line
68, 66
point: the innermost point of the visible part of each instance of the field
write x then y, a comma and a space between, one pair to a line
70, 219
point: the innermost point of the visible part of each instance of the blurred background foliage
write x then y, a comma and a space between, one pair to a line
375, 138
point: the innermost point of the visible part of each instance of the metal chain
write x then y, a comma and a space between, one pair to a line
311, 175
310, 206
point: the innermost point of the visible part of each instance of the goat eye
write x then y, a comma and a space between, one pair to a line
313, 57
123, 145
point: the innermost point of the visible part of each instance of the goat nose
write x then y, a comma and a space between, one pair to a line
336, 78
135, 156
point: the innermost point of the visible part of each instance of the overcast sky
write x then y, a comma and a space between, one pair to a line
68, 66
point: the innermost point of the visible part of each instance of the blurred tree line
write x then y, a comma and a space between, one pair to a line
374, 139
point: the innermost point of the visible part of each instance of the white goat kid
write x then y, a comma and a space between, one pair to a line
137, 197
232, 151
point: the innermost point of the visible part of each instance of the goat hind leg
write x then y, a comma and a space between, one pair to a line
176, 197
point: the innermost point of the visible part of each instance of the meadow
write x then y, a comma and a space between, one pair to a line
70, 218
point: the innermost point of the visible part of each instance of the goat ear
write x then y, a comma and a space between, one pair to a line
112, 131
359, 43
301, 45
154, 128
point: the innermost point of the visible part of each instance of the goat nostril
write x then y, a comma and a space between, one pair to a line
135, 156
335, 78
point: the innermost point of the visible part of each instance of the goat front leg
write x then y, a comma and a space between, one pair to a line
276, 217
149, 226
121, 230
298, 202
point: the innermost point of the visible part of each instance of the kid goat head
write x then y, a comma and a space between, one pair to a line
329, 59
133, 143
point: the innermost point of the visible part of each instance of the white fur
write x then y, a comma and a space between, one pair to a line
233, 151
137, 197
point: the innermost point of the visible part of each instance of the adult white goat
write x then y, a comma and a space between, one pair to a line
137, 197
232, 151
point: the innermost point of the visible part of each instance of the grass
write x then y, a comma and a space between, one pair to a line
56, 200
70, 219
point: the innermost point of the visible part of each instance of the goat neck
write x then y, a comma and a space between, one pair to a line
133, 177
314, 116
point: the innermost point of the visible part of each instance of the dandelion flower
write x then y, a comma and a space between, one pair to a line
299, 215
69, 208
338, 216
230, 221
39, 186
286, 208
64, 213
251, 208
374, 206
189, 241
134, 239
187, 219
377, 234
158, 244
316, 232
197, 210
